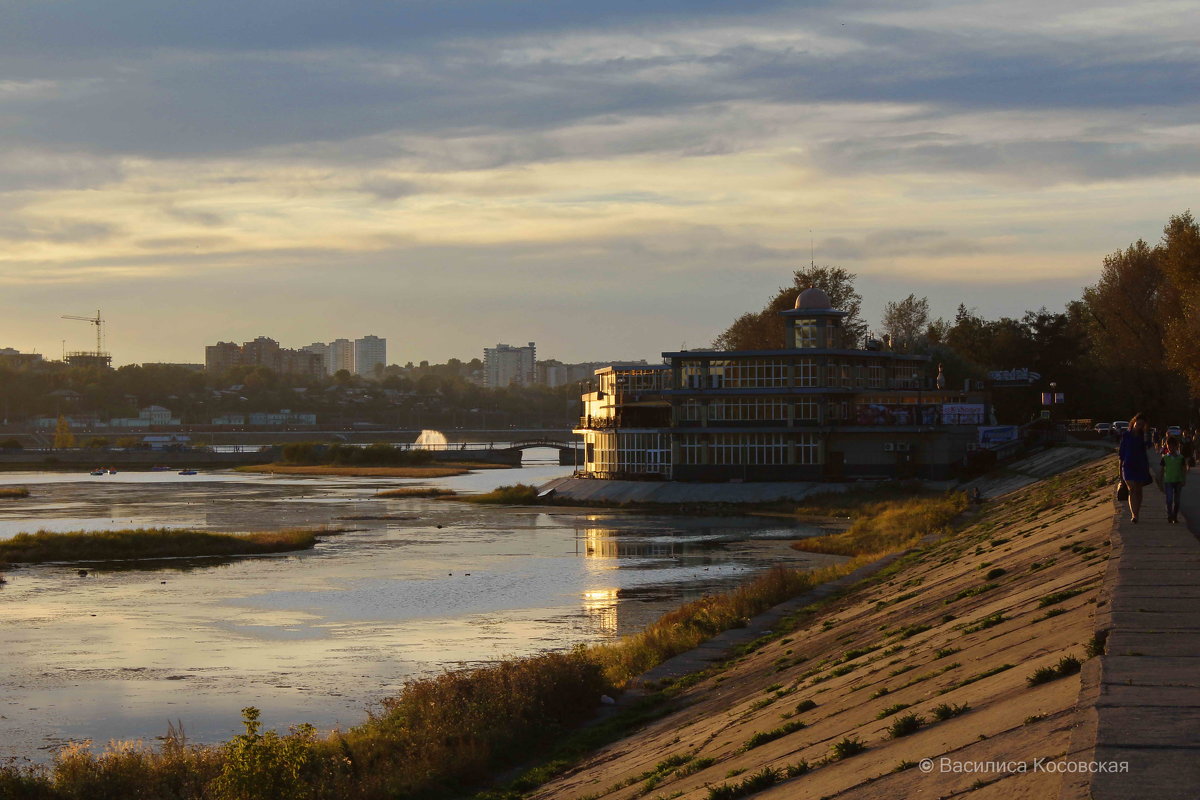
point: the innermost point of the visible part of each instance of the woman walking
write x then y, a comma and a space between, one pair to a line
1135, 465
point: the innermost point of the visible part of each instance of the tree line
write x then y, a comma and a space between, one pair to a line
1131, 341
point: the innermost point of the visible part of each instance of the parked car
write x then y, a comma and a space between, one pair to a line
1120, 426
1103, 428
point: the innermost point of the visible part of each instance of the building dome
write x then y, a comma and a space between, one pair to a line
813, 299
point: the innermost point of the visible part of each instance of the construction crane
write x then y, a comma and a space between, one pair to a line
98, 322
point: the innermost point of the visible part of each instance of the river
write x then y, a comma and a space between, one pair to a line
416, 587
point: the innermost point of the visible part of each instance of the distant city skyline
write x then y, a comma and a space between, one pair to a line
598, 178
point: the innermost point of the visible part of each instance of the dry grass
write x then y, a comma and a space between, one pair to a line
521, 494
359, 472
890, 526
680, 630
13, 492
417, 491
137, 543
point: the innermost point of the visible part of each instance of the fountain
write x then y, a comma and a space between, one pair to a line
431, 440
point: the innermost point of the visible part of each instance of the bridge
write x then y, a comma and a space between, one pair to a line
569, 453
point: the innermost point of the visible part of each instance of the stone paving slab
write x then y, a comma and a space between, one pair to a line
1151, 621
1175, 643
1156, 670
1154, 774
1148, 603
1115, 696
1182, 592
1149, 577
1155, 727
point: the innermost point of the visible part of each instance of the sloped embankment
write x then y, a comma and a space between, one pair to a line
964, 653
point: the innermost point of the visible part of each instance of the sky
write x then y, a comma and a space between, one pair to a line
609, 180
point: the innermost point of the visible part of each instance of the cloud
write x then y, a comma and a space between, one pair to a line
54, 230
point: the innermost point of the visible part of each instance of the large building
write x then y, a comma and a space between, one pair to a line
505, 365
263, 352
554, 373
341, 356
819, 409
369, 352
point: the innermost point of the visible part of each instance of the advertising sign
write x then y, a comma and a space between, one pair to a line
995, 434
1014, 377
962, 414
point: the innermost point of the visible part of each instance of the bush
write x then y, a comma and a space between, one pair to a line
1067, 665
265, 766
517, 494
845, 748
905, 725
11, 444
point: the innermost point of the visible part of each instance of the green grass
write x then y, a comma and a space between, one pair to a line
1067, 665
519, 494
139, 543
762, 737
1058, 597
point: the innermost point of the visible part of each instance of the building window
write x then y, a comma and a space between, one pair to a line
689, 411
876, 377
806, 410
749, 449
642, 453
692, 375
691, 450
808, 449
751, 373
806, 334
906, 376
806, 373
743, 409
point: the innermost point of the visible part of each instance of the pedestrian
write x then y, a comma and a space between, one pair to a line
1189, 447
1174, 475
1135, 466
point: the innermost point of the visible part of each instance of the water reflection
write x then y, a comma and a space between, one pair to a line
600, 606
417, 586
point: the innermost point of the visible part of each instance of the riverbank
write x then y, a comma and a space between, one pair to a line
964, 652
146, 543
441, 471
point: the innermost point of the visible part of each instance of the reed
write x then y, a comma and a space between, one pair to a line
520, 494
417, 491
138, 543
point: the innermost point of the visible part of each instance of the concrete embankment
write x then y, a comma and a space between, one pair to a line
955, 670
1030, 469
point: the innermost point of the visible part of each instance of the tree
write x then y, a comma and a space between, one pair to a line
906, 322
62, 434
1179, 257
764, 330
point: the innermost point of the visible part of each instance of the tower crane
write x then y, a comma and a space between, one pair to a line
98, 322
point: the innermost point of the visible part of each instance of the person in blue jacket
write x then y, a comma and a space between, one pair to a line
1135, 464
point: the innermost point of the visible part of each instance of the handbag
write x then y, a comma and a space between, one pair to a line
1122, 491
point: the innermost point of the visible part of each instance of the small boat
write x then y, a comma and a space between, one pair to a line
98, 472
160, 468
112, 471
188, 472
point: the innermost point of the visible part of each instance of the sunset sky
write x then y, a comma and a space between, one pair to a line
610, 180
